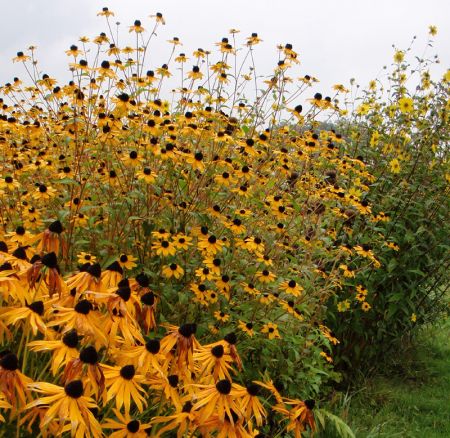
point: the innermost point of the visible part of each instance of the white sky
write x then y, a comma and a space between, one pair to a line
336, 39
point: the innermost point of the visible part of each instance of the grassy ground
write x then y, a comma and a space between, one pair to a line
413, 400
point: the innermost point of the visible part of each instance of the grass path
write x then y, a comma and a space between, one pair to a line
411, 402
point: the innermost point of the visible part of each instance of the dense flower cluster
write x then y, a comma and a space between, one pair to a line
162, 265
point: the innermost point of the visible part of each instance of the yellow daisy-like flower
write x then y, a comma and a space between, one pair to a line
348, 272
291, 287
342, 306
13, 384
406, 105
65, 404
271, 330
210, 244
125, 426
83, 318
221, 316
327, 357
21, 57
195, 73
265, 276
31, 314
392, 245
105, 12
63, 351
8, 182
205, 274
181, 241
137, 27
85, 257
127, 261
213, 360
250, 404
132, 158
44, 193
218, 399
124, 386
399, 56
395, 165
146, 175
246, 327
181, 58
173, 270
164, 248
366, 306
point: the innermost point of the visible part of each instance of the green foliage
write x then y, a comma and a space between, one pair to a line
410, 398
331, 426
406, 150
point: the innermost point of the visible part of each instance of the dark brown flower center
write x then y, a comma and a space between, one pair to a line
127, 372
133, 426
89, 355
217, 351
223, 386
70, 339
74, 389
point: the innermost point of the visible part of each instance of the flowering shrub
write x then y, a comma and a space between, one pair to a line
169, 266
402, 136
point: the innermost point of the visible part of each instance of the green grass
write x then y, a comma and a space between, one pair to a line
412, 400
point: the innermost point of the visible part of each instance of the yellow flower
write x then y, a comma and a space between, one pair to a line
159, 18
213, 360
21, 57
219, 399
124, 386
44, 192
127, 261
181, 58
221, 316
125, 426
348, 272
406, 105
291, 287
413, 317
146, 175
246, 327
67, 404
195, 73
447, 76
326, 357
265, 276
366, 306
343, 306
181, 241
137, 27
363, 109
399, 56
271, 329
395, 165
173, 270
432, 30
210, 244
105, 12
393, 245
63, 350
164, 248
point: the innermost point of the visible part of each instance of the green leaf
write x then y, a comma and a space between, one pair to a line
68, 181
328, 419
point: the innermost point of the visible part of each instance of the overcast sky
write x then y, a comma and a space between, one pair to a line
336, 39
